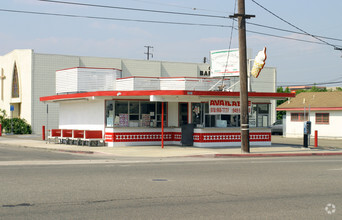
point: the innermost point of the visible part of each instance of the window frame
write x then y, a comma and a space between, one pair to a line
300, 115
321, 116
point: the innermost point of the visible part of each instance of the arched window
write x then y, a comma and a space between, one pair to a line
15, 83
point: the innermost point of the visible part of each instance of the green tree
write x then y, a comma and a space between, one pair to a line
279, 102
313, 89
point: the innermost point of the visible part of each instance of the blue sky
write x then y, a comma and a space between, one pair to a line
296, 62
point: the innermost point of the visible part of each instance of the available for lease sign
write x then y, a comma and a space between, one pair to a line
224, 63
226, 107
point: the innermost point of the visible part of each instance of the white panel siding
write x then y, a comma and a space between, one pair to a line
126, 84
172, 84
137, 83
66, 81
83, 115
172, 114
178, 83
181, 83
85, 80
96, 79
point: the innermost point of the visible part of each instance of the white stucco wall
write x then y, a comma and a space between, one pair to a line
83, 115
331, 130
23, 59
44, 84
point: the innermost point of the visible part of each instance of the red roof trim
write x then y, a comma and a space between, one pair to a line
88, 68
175, 77
311, 109
162, 92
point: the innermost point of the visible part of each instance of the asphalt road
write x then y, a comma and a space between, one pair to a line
241, 188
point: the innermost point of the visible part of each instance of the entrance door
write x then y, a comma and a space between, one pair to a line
17, 110
183, 114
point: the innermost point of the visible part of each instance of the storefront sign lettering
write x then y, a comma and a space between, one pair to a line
226, 107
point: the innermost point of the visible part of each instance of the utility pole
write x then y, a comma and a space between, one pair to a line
148, 52
243, 76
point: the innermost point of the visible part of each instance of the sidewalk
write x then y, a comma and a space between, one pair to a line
281, 147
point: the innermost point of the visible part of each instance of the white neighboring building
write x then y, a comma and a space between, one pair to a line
35, 77
323, 109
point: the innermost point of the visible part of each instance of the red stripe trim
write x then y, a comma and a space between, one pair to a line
311, 109
176, 136
174, 77
162, 92
88, 68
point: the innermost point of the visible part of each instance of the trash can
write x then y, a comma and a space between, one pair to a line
187, 135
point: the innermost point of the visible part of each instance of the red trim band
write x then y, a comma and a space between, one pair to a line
161, 92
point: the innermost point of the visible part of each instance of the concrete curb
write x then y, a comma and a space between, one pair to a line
155, 152
278, 154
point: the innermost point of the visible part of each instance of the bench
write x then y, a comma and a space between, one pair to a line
93, 136
66, 136
77, 136
54, 134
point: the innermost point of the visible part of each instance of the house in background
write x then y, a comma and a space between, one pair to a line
323, 109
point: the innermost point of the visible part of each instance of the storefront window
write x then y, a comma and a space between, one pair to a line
134, 114
209, 120
159, 113
197, 114
183, 114
121, 114
134, 111
110, 113
260, 115
221, 120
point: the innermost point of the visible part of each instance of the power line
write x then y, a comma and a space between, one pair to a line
133, 9
178, 6
206, 15
288, 38
294, 32
313, 84
149, 21
115, 19
317, 38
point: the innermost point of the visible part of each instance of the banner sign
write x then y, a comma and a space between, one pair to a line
224, 63
226, 107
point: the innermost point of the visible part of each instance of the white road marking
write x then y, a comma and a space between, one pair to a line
337, 169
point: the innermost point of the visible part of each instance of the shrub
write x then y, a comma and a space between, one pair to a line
20, 126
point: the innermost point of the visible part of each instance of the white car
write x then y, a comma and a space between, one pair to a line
277, 127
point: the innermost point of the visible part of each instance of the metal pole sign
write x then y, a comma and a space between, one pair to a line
12, 110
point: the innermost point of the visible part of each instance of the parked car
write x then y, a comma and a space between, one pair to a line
277, 127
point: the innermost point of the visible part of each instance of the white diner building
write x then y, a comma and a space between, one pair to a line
137, 110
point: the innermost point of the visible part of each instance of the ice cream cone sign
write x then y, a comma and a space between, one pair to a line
259, 63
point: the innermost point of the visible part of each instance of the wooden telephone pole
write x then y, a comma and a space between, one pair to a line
244, 120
